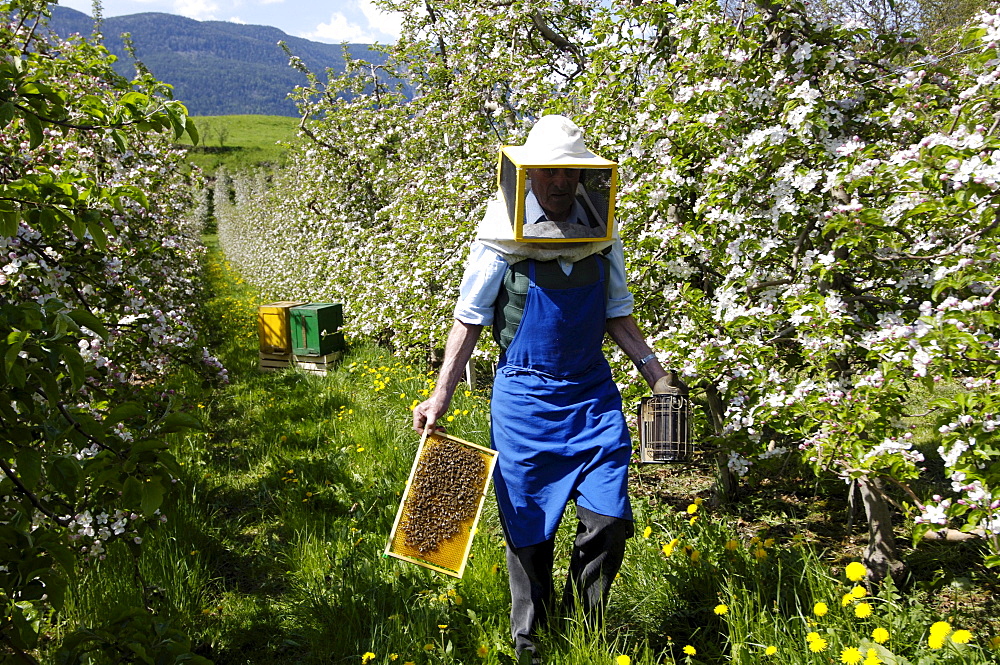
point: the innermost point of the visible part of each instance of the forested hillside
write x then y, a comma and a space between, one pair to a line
216, 68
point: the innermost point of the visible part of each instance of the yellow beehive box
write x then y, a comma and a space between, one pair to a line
273, 328
442, 503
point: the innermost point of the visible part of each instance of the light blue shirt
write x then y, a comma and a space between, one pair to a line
485, 268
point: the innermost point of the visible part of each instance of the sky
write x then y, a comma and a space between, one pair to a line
354, 21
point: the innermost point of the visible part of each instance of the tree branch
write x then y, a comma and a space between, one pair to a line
29, 495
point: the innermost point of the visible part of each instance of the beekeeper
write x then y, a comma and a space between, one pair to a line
551, 282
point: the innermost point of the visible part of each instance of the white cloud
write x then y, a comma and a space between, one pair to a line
237, 19
269, 2
340, 29
196, 9
387, 23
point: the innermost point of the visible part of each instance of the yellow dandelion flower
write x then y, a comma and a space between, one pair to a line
871, 658
817, 645
720, 609
863, 610
961, 637
880, 635
443, 626
770, 651
812, 635
690, 650
847, 599
409, 662
859, 591
935, 641
623, 660
429, 647
855, 571
692, 508
820, 609
367, 657
695, 556
769, 542
458, 599
732, 545
393, 656
698, 501
760, 553
645, 532
940, 628
669, 547
483, 651
995, 642
850, 656
693, 520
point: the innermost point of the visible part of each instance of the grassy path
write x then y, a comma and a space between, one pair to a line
273, 549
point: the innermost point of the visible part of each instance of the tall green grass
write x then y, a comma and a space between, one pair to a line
272, 550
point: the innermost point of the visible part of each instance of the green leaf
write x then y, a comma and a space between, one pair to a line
29, 467
152, 496
64, 474
178, 422
132, 491
9, 222
34, 130
15, 341
123, 412
84, 318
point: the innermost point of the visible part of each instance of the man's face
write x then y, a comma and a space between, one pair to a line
555, 190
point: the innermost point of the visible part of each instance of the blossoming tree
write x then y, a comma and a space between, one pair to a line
98, 297
809, 212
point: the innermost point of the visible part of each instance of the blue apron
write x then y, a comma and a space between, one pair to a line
557, 419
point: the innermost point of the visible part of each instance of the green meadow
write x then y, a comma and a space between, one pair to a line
240, 141
272, 551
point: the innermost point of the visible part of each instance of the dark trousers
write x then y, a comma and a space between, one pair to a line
597, 556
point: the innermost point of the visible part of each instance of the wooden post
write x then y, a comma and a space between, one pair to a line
470, 373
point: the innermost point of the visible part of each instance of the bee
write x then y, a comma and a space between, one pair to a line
444, 493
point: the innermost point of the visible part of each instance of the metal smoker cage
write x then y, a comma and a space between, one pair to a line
665, 423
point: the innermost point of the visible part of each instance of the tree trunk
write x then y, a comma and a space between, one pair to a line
880, 556
727, 485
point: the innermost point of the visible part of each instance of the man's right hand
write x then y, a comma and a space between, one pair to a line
426, 413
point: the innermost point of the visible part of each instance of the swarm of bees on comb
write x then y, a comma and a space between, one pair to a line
444, 493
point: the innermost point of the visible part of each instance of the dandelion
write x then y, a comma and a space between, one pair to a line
847, 599
769, 542
393, 656
817, 645
690, 650
871, 658
880, 635
820, 609
770, 651
940, 628
623, 660
647, 531
443, 626
732, 545
692, 508
863, 610
856, 571
850, 656
693, 520
429, 647
859, 591
367, 658
760, 553
935, 641
961, 637
720, 609
695, 556
669, 547
482, 651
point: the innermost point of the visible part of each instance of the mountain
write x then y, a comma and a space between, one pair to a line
216, 68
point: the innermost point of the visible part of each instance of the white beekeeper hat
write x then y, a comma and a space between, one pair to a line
556, 141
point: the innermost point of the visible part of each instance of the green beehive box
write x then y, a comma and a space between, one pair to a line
316, 329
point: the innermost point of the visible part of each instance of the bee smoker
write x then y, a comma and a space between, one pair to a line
665, 422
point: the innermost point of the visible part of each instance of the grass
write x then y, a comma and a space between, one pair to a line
272, 552
240, 141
